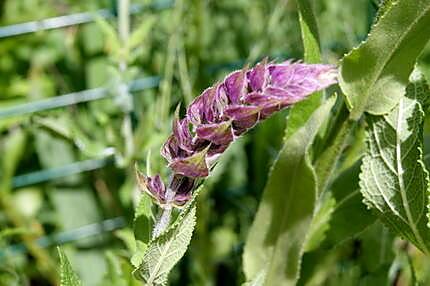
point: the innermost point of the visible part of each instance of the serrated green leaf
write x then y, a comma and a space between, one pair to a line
374, 75
309, 29
67, 275
384, 6
166, 250
393, 178
276, 238
320, 224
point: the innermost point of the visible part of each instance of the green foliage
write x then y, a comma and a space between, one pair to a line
276, 238
164, 251
393, 179
374, 75
67, 275
143, 224
191, 45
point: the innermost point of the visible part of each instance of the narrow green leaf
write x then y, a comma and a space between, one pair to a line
276, 238
301, 111
320, 224
67, 275
393, 178
12, 149
140, 33
374, 75
167, 249
327, 161
309, 29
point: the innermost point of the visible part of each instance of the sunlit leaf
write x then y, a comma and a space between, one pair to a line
276, 238
393, 179
67, 275
374, 75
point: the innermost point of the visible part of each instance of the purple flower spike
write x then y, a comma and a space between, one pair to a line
227, 110
301, 79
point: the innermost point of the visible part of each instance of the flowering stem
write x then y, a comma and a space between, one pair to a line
164, 220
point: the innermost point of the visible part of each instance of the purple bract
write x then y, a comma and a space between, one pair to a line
225, 111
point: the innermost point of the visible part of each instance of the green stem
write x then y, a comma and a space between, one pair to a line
164, 220
328, 160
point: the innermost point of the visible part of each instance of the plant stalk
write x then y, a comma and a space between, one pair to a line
164, 220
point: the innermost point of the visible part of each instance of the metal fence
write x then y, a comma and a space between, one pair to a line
72, 99
64, 101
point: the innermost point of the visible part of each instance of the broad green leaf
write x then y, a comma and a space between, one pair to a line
166, 250
374, 75
276, 238
393, 178
301, 111
67, 275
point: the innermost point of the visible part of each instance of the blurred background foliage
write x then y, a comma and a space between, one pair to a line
86, 196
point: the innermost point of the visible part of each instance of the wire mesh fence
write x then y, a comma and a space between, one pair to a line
65, 100
74, 98
75, 19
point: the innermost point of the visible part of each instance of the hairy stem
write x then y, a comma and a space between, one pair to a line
163, 222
